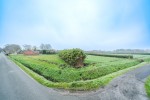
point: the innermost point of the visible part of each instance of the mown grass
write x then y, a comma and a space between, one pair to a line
50, 58
51, 71
147, 86
77, 85
101, 66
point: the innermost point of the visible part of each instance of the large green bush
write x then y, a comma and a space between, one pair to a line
74, 57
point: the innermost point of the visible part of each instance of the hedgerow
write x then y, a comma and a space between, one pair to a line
113, 55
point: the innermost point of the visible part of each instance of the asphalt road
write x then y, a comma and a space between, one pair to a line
17, 85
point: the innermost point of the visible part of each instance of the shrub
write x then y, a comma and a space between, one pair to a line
74, 57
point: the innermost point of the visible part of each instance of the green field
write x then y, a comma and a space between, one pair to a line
61, 75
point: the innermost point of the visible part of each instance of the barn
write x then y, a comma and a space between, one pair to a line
30, 52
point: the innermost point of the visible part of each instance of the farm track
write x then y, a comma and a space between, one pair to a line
17, 85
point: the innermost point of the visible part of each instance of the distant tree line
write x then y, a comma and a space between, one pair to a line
15, 48
131, 51
1, 49
47, 49
121, 51
11, 48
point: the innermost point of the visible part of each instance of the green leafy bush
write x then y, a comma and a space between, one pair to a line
74, 57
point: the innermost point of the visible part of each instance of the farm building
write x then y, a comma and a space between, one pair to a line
30, 52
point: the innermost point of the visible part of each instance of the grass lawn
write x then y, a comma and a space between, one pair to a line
56, 73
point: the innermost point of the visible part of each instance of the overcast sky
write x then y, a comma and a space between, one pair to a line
85, 24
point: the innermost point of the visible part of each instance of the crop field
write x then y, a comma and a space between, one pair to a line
55, 70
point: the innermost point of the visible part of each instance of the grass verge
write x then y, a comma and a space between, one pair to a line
147, 86
77, 85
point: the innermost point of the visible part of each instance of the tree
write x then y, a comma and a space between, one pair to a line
34, 48
42, 46
45, 47
74, 57
27, 47
12, 48
1, 49
48, 47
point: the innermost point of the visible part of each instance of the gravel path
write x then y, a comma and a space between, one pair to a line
16, 85
129, 86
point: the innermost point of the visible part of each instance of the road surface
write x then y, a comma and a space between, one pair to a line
17, 85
